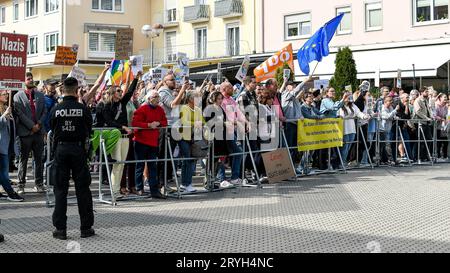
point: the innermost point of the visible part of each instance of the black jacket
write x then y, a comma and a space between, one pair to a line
115, 113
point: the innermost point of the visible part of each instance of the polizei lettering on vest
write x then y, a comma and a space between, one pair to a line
69, 113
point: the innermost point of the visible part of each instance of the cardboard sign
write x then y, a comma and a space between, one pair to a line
242, 72
319, 84
124, 43
399, 79
13, 60
137, 64
349, 88
78, 74
183, 64
159, 73
278, 166
267, 69
65, 55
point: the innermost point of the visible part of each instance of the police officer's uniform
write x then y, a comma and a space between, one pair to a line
71, 124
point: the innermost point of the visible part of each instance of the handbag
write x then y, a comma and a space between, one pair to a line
199, 149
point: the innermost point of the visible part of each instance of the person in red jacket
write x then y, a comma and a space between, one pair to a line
150, 117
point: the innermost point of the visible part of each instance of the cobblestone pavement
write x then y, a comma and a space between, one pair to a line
381, 210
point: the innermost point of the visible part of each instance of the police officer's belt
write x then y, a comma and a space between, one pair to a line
79, 143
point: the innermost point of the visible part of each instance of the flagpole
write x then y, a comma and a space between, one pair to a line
314, 69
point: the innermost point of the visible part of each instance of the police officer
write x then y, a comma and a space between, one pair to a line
71, 124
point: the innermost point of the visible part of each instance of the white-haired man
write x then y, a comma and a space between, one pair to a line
150, 117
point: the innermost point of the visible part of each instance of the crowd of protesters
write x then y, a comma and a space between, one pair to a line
138, 118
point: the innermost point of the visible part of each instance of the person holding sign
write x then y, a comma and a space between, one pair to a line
5, 131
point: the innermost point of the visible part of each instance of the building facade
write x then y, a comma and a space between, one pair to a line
385, 36
92, 24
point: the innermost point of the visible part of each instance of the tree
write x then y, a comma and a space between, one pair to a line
345, 73
279, 74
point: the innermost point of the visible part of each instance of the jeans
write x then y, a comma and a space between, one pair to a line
186, 167
4, 173
385, 146
344, 150
369, 141
291, 138
407, 144
236, 162
144, 152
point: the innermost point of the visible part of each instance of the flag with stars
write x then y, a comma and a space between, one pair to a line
317, 46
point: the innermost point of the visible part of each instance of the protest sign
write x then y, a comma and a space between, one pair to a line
286, 73
320, 134
377, 78
147, 77
399, 79
78, 74
158, 74
137, 64
319, 84
124, 43
278, 166
13, 61
267, 69
242, 72
183, 64
65, 55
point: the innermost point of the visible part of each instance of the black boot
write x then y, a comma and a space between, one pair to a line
87, 233
2, 238
60, 234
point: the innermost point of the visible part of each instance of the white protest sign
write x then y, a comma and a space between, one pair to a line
377, 78
183, 64
147, 77
242, 72
137, 64
158, 74
78, 74
319, 84
399, 79
286, 73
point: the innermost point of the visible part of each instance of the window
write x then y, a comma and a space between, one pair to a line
233, 37
2, 15
430, 10
51, 42
374, 18
51, 5
32, 45
31, 8
297, 25
102, 44
345, 27
200, 43
15, 11
171, 11
107, 5
171, 47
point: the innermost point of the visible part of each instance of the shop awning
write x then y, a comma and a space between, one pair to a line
427, 60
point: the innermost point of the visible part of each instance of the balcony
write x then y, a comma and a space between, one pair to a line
171, 18
196, 14
228, 8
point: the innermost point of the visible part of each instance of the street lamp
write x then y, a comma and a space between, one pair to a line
152, 32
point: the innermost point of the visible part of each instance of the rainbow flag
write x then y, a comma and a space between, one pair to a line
119, 71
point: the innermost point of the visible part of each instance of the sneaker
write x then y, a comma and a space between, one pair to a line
236, 181
299, 171
264, 180
14, 197
87, 233
119, 196
2, 196
225, 184
189, 189
39, 189
21, 190
60, 234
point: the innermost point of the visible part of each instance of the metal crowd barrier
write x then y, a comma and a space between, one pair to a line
210, 175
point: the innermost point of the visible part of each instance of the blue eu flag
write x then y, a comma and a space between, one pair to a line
317, 46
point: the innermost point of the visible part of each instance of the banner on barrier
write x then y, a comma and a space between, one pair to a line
278, 167
320, 134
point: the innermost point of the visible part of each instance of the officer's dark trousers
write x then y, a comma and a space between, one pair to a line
71, 161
